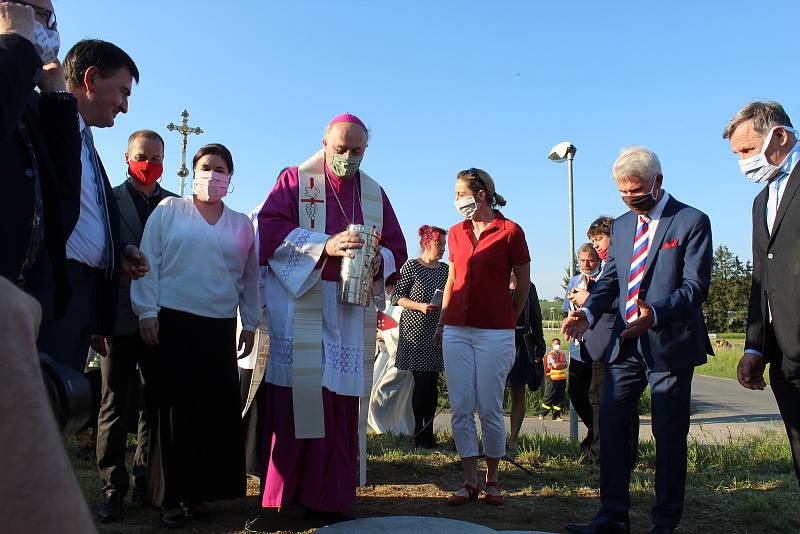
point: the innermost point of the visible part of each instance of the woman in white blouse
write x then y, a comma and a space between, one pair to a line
203, 267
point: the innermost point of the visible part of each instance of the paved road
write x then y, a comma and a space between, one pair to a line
720, 408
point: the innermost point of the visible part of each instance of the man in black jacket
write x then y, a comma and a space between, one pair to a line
761, 134
40, 151
137, 197
100, 76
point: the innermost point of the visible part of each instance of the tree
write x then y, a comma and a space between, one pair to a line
728, 296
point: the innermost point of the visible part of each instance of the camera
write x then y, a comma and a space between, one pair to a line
69, 393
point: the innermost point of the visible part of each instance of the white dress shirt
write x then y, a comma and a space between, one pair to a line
199, 268
87, 242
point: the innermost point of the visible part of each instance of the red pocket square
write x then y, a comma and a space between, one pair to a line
670, 244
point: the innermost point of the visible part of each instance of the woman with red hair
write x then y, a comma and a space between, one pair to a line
416, 292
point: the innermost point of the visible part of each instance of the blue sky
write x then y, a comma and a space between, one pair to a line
447, 85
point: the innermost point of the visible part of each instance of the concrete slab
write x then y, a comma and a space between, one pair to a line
405, 523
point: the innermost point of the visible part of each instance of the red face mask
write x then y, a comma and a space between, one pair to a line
603, 254
144, 171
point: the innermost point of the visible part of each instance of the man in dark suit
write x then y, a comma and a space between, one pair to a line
659, 265
99, 75
40, 151
762, 135
137, 197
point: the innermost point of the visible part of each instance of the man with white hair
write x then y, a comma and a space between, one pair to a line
762, 135
659, 264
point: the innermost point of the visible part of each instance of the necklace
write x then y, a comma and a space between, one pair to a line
352, 218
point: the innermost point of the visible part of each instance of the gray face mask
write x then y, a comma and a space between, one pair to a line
343, 166
46, 42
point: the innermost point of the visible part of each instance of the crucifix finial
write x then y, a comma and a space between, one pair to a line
184, 129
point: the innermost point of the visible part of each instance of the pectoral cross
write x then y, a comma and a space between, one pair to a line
311, 200
184, 130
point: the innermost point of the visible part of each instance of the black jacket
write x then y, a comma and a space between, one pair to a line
776, 274
50, 123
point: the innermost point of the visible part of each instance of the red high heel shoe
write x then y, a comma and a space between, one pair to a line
458, 500
494, 500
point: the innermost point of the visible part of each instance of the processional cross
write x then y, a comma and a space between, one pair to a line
184, 130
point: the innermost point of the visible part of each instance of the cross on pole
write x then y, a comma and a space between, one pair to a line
184, 130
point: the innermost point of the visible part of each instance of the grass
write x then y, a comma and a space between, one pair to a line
741, 484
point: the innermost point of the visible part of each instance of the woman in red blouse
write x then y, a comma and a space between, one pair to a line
476, 329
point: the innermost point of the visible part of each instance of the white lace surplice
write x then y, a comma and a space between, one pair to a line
292, 272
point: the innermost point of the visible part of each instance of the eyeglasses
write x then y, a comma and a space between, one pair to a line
47, 14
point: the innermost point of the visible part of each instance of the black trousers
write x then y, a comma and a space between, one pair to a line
580, 381
784, 379
124, 408
66, 340
423, 403
595, 399
253, 422
553, 396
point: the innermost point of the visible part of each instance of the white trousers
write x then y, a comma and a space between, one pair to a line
476, 364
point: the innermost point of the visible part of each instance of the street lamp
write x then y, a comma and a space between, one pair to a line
560, 153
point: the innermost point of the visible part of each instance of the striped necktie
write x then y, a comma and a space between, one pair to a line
641, 246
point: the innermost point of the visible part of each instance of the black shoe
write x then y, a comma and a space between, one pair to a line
198, 511
660, 530
172, 517
599, 527
111, 509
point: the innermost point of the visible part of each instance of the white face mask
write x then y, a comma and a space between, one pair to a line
210, 186
46, 42
757, 169
556, 346
467, 206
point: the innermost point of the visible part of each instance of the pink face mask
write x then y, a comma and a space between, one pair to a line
210, 186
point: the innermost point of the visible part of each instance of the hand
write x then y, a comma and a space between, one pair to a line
16, 18
437, 336
246, 339
340, 244
377, 263
100, 344
53, 78
148, 329
642, 324
575, 325
134, 263
426, 308
578, 296
750, 371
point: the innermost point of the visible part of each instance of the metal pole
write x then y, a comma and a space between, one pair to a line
573, 417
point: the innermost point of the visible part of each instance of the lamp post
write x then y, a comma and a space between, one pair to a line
560, 153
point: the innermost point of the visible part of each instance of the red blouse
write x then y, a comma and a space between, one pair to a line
480, 296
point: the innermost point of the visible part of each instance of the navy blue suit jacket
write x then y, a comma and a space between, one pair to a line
676, 280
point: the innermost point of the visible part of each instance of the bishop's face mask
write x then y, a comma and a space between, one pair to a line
210, 186
467, 206
642, 203
46, 42
757, 168
343, 166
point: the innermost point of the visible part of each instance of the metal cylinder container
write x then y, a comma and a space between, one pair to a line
356, 273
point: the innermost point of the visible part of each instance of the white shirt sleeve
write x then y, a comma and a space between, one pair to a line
294, 261
144, 291
249, 308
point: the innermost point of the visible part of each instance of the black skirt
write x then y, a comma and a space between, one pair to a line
198, 448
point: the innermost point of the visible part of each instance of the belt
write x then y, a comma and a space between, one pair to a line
80, 266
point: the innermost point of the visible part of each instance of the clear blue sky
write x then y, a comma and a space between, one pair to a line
447, 85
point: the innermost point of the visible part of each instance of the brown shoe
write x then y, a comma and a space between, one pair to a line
458, 500
494, 500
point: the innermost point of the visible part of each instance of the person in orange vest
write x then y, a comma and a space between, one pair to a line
555, 375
